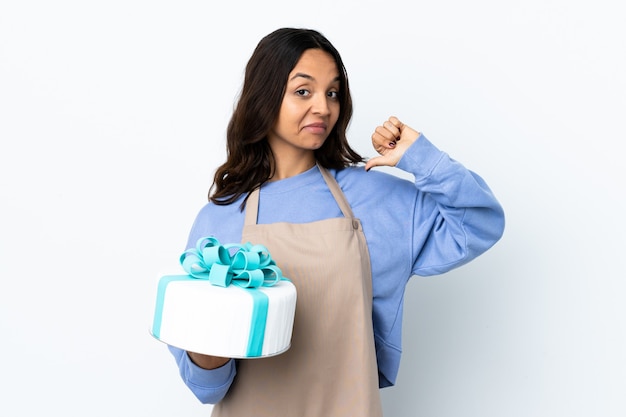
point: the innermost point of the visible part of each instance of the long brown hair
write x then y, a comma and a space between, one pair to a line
249, 158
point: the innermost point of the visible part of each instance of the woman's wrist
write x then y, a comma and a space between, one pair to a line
207, 361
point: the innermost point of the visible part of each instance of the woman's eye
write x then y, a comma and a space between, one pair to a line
333, 94
302, 92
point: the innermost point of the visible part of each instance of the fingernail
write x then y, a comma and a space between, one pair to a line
392, 144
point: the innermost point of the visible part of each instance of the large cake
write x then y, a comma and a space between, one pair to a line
233, 302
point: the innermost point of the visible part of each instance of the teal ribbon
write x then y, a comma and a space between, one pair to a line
245, 265
250, 266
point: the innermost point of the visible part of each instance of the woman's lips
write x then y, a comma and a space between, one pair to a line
317, 128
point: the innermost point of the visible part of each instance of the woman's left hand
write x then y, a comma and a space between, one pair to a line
391, 140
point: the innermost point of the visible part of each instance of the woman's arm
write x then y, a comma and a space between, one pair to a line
208, 385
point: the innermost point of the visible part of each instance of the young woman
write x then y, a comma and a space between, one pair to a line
347, 237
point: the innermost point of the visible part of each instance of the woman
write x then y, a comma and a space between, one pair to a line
348, 238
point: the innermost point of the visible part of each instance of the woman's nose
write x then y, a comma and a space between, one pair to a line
320, 104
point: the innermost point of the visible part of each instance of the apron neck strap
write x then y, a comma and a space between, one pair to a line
340, 198
252, 207
252, 204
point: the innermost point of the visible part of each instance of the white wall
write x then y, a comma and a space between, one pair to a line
112, 120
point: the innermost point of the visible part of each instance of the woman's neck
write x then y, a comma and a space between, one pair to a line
289, 167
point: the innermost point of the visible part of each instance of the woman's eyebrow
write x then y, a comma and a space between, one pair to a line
309, 77
302, 75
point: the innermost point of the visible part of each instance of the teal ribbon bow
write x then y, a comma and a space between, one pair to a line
250, 266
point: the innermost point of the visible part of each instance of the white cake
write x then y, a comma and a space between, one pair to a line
197, 316
234, 302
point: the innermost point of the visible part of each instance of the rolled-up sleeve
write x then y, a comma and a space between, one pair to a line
208, 385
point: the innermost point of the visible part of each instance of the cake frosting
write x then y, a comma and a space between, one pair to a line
233, 302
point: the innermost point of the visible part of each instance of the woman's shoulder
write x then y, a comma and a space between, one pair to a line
375, 189
223, 221
358, 177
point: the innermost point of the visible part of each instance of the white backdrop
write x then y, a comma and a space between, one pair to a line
112, 120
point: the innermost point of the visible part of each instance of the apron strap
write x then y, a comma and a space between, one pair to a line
252, 204
252, 207
336, 191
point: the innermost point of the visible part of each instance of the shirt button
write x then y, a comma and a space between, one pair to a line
355, 224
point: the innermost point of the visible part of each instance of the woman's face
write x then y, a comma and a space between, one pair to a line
310, 107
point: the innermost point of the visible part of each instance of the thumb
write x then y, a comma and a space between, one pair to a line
377, 161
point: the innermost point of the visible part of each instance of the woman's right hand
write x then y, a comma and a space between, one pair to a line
391, 140
207, 361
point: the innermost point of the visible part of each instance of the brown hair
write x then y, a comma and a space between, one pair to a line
249, 158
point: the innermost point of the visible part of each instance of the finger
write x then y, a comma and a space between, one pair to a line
405, 132
386, 131
382, 142
379, 161
373, 162
393, 130
397, 123
383, 149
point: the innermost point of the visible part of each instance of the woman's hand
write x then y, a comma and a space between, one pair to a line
391, 140
206, 361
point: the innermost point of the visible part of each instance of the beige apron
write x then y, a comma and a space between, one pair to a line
330, 369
